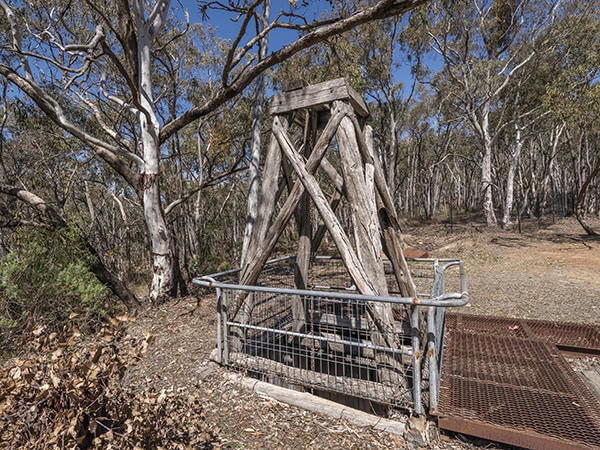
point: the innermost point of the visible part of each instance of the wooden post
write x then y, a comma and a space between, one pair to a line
359, 181
261, 252
304, 235
364, 215
380, 316
362, 183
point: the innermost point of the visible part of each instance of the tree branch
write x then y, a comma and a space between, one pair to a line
56, 114
53, 218
381, 10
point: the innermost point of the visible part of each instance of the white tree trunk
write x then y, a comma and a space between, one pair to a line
515, 158
257, 115
486, 173
161, 241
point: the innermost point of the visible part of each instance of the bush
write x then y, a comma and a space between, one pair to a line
46, 276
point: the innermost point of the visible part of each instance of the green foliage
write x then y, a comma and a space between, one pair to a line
77, 280
45, 277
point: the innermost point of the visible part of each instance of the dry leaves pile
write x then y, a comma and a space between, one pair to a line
70, 396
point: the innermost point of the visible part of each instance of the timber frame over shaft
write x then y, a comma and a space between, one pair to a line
324, 111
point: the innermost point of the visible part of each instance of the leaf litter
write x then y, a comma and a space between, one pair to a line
145, 383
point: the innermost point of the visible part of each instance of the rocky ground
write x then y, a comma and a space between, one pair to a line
550, 271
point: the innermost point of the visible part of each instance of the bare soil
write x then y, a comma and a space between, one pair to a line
550, 271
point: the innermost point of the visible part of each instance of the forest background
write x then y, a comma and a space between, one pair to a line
131, 135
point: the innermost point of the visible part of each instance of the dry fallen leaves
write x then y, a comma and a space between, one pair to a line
69, 395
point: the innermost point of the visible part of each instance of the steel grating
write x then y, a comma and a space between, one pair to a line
514, 390
569, 336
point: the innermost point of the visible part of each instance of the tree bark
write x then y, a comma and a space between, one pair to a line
486, 176
161, 241
515, 159
580, 208
257, 116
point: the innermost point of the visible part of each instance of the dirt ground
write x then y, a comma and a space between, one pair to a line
547, 272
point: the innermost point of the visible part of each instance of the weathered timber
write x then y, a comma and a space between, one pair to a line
250, 273
392, 241
342, 242
366, 231
382, 319
333, 174
320, 405
328, 320
267, 198
358, 175
350, 386
318, 94
293, 85
334, 202
352, 346
304, 234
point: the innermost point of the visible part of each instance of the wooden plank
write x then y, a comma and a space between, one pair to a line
318, 94
257, 261
350, 386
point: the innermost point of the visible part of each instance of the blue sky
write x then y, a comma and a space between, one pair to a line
226, 28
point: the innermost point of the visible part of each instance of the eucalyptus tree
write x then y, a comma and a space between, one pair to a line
484, 45
99, 58
573, 96
42, 195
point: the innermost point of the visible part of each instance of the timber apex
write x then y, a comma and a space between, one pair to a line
317, 95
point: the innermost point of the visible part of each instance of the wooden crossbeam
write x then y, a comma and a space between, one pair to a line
265, 247
353, 264
318, 94
361, 182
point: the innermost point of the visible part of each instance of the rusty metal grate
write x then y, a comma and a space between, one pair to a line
517, 391
504, 361
574, 337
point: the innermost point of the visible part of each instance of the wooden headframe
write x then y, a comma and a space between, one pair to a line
361, 183
323, 111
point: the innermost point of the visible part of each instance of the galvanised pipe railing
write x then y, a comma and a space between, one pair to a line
436, 303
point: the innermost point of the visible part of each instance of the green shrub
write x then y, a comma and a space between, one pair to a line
45, 277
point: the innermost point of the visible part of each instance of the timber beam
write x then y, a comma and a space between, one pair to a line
317, 95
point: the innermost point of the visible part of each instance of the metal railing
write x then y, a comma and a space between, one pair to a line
326, 339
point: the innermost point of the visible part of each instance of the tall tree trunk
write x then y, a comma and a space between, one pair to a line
580, 208
257, 116
161, 241
486, 184
486, 169
515, 158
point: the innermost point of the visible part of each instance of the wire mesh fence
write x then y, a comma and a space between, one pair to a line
326, 338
